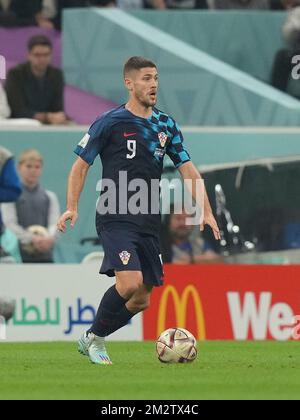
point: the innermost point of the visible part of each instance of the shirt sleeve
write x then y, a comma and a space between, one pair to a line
176, 149
93, 142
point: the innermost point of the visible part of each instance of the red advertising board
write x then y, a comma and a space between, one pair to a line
227, 302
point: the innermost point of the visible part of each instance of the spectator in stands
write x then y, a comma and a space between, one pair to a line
49, 9
4, 107
5, 17
5, 113
59, 5
240, 4
35, 88
10, 186
284, 4
176, 4
283, 66
103, 3
130, 4
33, 217
23, 13
184, 244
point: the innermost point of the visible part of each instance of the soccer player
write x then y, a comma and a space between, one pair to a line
132, 140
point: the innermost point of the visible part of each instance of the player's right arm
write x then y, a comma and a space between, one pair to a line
76, 183
88, 148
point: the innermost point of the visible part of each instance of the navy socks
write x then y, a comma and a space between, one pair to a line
122, 319
110, 307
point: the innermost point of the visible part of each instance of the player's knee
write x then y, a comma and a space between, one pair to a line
128, 285
140, 305
143, 305
130, 289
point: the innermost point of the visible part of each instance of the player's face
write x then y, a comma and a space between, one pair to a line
40, 58
143, 85
30, 172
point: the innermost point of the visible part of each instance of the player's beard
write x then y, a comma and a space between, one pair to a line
145, 101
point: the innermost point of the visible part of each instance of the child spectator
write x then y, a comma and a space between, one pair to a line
33, 217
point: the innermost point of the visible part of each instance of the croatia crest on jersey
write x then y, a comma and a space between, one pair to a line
162, 138
125, 257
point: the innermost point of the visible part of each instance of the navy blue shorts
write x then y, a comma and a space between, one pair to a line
132, 251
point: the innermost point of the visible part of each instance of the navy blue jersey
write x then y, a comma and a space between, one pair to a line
134, 147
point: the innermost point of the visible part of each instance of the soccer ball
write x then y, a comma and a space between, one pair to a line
176, 345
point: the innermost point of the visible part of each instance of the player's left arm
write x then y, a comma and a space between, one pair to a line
182, 161
190, 173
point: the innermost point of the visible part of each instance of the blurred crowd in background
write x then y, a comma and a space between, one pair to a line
34, 89
48, 13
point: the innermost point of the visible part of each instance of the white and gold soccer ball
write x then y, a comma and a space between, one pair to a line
176, 345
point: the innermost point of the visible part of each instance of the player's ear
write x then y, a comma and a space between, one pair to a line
128, 83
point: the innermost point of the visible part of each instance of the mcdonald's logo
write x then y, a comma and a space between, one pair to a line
181, 309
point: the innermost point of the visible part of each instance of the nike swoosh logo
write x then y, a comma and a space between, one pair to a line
129, 134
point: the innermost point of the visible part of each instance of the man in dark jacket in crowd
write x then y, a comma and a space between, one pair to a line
35, 88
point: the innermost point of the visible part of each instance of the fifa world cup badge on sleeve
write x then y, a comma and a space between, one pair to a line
125, 257
84, 141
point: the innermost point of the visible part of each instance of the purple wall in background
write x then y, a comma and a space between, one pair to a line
82, 107
13, 43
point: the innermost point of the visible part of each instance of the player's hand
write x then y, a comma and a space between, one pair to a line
68, 215
211, 221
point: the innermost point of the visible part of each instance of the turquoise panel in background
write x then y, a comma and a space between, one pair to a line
195, 88
247, 40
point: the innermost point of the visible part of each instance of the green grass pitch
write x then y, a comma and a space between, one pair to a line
223, 370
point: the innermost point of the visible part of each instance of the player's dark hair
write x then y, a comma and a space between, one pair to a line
39, 40
137, 63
